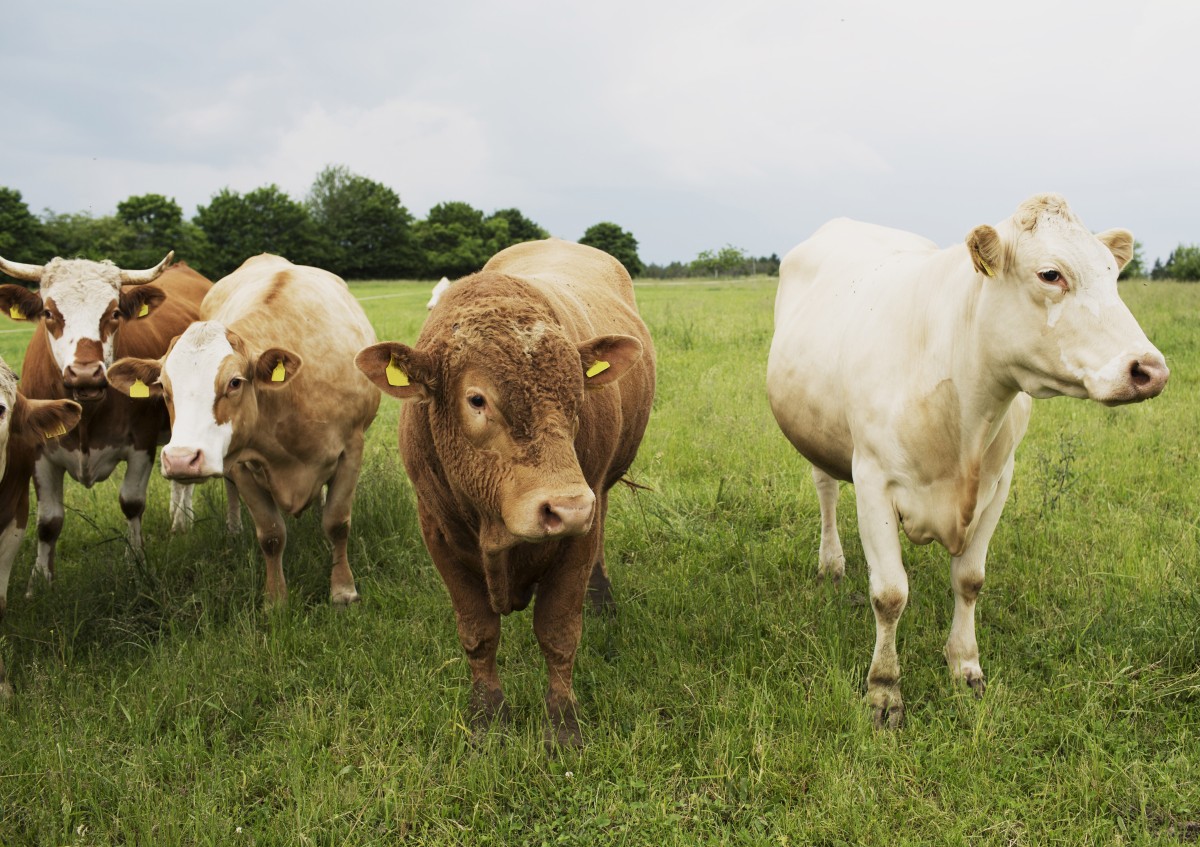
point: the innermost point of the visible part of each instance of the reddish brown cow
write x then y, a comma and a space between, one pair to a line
88, 313
517, 429
25, 425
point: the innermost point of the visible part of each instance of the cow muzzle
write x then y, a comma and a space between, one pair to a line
542, 515
1138, 379
86, 380
186, 464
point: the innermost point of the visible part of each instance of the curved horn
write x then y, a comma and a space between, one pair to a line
19, 270
148, 275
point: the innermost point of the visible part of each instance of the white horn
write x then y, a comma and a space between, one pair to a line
148, 275
19, 270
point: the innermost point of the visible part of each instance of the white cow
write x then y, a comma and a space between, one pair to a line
908, 371
438, 291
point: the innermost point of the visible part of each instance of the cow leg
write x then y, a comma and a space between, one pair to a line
181, 507
271, 532
879, 526
335, 520
599, 590
478, 628
233, 508
558, 624
966, 577
133, 495
48, 483
831, 562
10, 543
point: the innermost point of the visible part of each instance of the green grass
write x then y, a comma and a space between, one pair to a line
158, 704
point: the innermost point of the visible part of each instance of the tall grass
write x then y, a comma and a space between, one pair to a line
157, 703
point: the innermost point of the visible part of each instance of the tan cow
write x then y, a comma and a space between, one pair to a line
25, 426
87, 314
263, 390
516, 429
908, 370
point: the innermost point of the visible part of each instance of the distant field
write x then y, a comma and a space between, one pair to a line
158, 704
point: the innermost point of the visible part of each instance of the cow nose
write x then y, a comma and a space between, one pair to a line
570, 515
1149, 375
87, 374
182, 462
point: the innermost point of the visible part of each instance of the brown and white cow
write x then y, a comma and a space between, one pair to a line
909, 370
87, 314
263, 390
516, 430
25, 426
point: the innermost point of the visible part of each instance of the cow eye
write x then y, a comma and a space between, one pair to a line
236, 383
3, 411
48, 315
477, 401
1051, 276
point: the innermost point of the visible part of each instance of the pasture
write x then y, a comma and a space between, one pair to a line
158, 704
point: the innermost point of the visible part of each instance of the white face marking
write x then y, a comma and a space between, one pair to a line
8, 404
191, 370
84, 292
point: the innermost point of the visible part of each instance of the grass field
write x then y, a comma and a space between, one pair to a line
158, 704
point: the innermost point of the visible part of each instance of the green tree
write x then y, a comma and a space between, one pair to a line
453, 240
615, 241
1136, 269
506, 227
1183, 264
79, 235
22, 235
364, 230
264, 220
156, 225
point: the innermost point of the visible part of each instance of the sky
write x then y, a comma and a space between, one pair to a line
690, 124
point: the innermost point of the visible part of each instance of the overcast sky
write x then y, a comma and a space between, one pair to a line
691, 124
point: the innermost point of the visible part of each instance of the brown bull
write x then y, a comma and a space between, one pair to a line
517, 429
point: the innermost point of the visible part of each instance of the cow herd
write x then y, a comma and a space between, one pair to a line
902, 368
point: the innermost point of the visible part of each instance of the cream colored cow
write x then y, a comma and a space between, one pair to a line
908, 370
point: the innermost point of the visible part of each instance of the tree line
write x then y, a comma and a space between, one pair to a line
349, 224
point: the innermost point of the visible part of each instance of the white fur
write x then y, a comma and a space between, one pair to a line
191, 371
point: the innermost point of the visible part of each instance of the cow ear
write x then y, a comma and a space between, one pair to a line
19, 303
136, 377
46, 419
606, 358
275, 367
137, 301
986, 249
398, 370
1120, 242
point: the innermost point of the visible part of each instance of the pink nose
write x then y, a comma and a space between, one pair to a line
182, 462
84, 375
567, 515
1149, 376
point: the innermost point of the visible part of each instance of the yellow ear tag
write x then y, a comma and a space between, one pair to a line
139, 390
145, 310
598, 367
59, 430
396, 375
279, 374
16, 314
986, 267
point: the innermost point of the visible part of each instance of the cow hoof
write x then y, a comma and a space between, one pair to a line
887, 707
977, 685
6, 691
563, 735
488, 708
603, 603
832, 570
344, 599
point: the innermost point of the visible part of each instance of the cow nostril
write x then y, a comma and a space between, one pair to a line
551, 520
1139, 375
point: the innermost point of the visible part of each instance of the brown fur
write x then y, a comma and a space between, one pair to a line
520, 328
